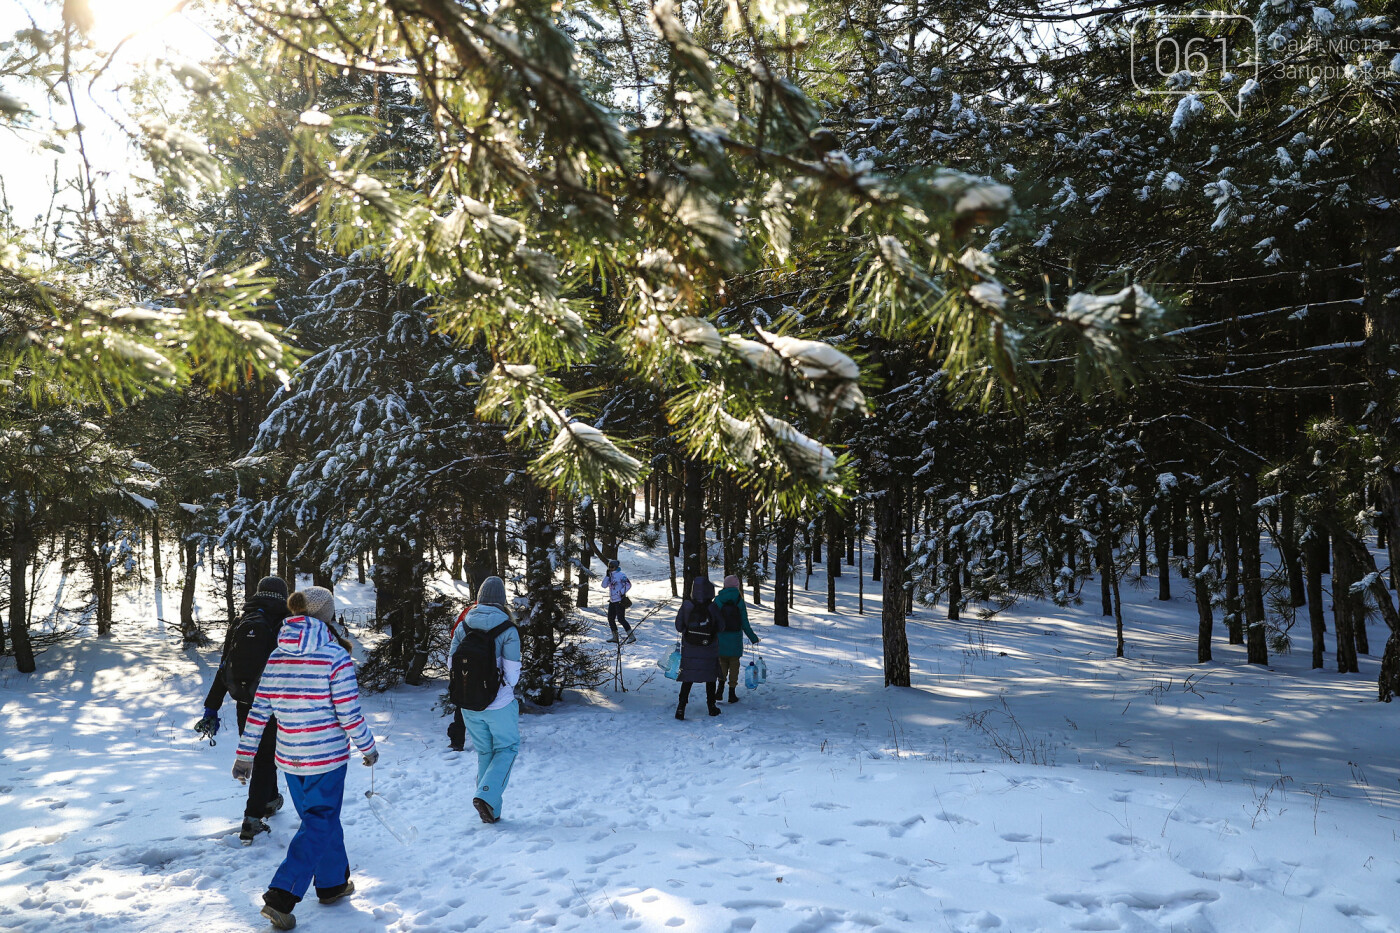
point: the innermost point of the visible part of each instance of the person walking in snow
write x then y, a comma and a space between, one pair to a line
495, 730
249, 642
734, 625
698, 623
309, 696
617, 585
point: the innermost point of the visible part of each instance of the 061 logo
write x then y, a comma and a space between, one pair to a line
1206, 54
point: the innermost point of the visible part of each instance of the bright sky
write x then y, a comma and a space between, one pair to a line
151, 33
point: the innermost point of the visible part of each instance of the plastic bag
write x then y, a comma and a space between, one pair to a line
671, 663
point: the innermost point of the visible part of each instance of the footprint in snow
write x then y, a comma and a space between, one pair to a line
611, 853
1024, 837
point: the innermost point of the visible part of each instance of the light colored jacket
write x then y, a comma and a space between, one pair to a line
617, 585
309, 685
485, 618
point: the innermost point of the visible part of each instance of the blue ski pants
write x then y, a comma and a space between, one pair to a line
496, 736
318, 848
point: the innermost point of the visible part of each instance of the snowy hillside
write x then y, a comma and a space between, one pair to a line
1029, 782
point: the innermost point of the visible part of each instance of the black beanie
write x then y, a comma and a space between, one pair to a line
273, 585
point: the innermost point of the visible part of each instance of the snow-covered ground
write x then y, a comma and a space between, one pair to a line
1028, 782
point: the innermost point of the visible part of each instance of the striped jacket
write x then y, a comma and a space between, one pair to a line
309, 685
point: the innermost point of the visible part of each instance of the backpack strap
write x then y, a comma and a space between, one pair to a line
496, 632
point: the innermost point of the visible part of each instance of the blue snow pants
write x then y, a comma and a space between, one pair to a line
496, 736
318, 848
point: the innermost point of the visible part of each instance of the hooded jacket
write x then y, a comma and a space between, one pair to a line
617, 585
699, 663
731, 644
309, 685
485, 617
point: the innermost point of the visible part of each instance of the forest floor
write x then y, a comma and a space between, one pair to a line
1028, 781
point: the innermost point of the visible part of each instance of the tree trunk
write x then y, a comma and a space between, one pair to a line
157, 565
952, 559
1292, 554
696, 549
1142, 546
755, 571
503, 541
782, 570
666, 510
21, 548
1180, 545
833, 557
588, 524
230, 607
1162, 544
1112, 571
1230, 552
190, 634
284, 567
542, 626
890, 529
1104, 557
1312, 551
1256, 633
1343, 610
1200, 581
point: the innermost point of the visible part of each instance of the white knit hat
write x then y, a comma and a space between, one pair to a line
315, 601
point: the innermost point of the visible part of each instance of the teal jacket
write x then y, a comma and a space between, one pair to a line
731, 644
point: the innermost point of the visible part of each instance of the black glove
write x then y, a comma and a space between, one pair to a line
208, 727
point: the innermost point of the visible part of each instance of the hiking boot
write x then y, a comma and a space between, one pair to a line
281, 919
273, 806
483, 809
331, 895
277, 908
251, 827
613, 640
629, 639
733, 697
680, 711
714, 710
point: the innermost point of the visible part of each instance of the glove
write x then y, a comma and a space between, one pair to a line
208, 727
242, 769
370, 757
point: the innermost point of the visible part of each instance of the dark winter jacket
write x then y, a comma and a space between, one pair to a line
274, 608
699, 664
731, 644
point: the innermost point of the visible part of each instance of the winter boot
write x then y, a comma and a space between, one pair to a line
273, 806
483, 809
331, 895
630, 638
251, 827
277, 908
714, 709
680, 710
733, 697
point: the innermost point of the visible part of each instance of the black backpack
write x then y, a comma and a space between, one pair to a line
701, 625
730, 617
476, 676
250, 644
